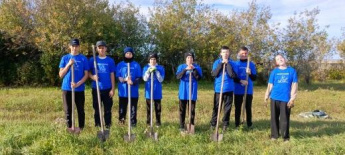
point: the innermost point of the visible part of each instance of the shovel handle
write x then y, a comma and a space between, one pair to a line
220, 98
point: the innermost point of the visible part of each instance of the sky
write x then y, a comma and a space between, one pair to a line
330, 10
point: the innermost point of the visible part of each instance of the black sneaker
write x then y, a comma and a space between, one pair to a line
158, 124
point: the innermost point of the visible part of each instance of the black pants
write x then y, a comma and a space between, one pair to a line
107, 104
158, 110
238, 109
67, 104
123, 103
183, 107
226, 101
280, 119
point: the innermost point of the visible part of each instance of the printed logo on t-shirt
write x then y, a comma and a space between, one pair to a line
283, 77
102, 68
242, 71
76, 65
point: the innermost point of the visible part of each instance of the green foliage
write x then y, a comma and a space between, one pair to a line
336, 74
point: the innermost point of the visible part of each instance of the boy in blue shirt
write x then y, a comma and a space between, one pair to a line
228, 87
81, 68
106, 81
124, 80
158, 77
183, 72
282, 89
241, 72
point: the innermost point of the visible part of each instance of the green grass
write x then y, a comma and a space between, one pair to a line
31, 122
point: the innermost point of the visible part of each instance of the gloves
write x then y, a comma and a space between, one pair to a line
152, 69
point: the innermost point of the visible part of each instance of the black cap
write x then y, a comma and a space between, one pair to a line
74, 42
189, 54
101, 43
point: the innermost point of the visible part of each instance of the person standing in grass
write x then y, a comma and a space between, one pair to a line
183, 72
158, 77
228, 87
242, 72
81, 68
124, 80
282, 90
106, 81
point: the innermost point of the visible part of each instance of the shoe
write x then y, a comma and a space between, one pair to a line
182, 131
250, 127
212, 127
122, 122
273, 139
286, 140
134, 125
158, 124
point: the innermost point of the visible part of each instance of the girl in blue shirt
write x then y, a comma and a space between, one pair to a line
183, 72
158, 77
282, 90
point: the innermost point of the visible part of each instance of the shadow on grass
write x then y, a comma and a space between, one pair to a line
329, 85
307, 129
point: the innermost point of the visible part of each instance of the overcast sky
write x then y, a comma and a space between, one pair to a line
331, 11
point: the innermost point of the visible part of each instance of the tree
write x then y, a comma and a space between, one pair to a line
304, 43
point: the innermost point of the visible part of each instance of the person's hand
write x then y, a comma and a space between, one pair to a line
290, 104
244, 82
190, 67
129, 80
152, 69
224, 61
265, 100
75, 85
111, 93
248, 71
94, 77
70, 62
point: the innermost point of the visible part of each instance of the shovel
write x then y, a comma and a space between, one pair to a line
103, 134
190, 126
73, 129
217, 137
245, 95
129, 137
151, 133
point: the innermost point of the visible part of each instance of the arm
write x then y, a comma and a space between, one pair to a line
86, 75
268, 91
216, 71
293, 94
64, 70
146, 75
160, 78
196, 75
180, 75
112, 78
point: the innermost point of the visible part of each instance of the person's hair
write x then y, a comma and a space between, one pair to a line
225, 48
275, 62
244, 48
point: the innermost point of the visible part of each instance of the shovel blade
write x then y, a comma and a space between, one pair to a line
129, 138
103, 136
74, 130
190, 129
217, 137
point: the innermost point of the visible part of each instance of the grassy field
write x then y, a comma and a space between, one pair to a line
31, 122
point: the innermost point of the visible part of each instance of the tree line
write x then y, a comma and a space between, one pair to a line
34, 34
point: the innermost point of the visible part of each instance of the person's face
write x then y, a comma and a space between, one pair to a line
102, 50
280, 60
153, 61
225, 53
243, 54
74, 49
129, 55
189, 60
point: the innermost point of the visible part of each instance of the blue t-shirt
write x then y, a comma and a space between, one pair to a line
121, 71
183, 93
282, 80
228, 85
157, 86
241, 73
80, 66
105, 66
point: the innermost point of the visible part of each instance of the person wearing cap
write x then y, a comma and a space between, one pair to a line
242, 71
124, 80
158, 76
106, 80
81, 68
282, 90
182, 73
228, 86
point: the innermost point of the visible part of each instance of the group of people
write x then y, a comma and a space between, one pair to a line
282, 87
